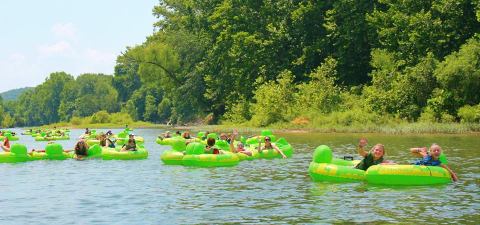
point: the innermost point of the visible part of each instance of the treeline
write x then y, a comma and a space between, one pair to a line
301, 62
62, 97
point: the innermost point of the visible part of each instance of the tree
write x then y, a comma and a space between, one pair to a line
350, 39
459, 77
413, 28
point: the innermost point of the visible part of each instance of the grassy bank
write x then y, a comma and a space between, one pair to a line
103, 119
407, 128
137, 124
402, 128
119, 120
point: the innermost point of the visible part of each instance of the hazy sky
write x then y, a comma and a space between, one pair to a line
40, 37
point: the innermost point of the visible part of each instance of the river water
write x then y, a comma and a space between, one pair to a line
260, 191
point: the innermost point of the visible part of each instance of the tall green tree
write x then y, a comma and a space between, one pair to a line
413, 28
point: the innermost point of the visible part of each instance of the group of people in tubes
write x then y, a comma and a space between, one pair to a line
81, 147
210, 148
429, 157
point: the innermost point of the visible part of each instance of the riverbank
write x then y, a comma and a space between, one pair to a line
393, 128
137, 124
406, 128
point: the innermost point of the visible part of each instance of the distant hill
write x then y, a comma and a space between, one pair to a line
13, 94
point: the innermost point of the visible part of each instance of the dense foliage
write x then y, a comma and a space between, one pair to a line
266, 62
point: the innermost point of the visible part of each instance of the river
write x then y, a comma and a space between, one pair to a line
260, 191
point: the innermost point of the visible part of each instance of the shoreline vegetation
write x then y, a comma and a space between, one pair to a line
408, 128
119, 120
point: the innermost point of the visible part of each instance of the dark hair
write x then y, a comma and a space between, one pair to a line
210, 142
81, 150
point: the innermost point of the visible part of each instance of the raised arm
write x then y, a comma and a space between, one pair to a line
419, 152
360, 148
232, 139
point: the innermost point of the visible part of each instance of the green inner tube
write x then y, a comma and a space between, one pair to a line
52, 138
195, 157
171, 157
211, 160
10, 138
116, 154
282, 144
334, 173
407, 175
18, 153
53, 151
326, 168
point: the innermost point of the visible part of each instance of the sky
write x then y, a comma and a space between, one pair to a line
41, 37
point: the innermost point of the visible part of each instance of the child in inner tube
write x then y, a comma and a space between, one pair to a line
131, 145
374, 157
431, 158
210, 148
240, 147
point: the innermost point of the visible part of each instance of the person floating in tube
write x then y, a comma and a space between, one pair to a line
374, 157
240, 146
432, 158
5, 145
131, 145
81, 149
269, 145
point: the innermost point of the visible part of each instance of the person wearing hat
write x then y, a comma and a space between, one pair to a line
131, 145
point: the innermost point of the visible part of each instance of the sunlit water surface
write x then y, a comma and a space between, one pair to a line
261, 191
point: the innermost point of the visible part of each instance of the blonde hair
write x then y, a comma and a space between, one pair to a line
433, 145
381, 146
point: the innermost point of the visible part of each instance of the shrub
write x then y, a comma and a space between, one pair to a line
428, 115
101, 117
76, 120
121, 118
238, 112
274, 101
320, 94
469, 114
447, 118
